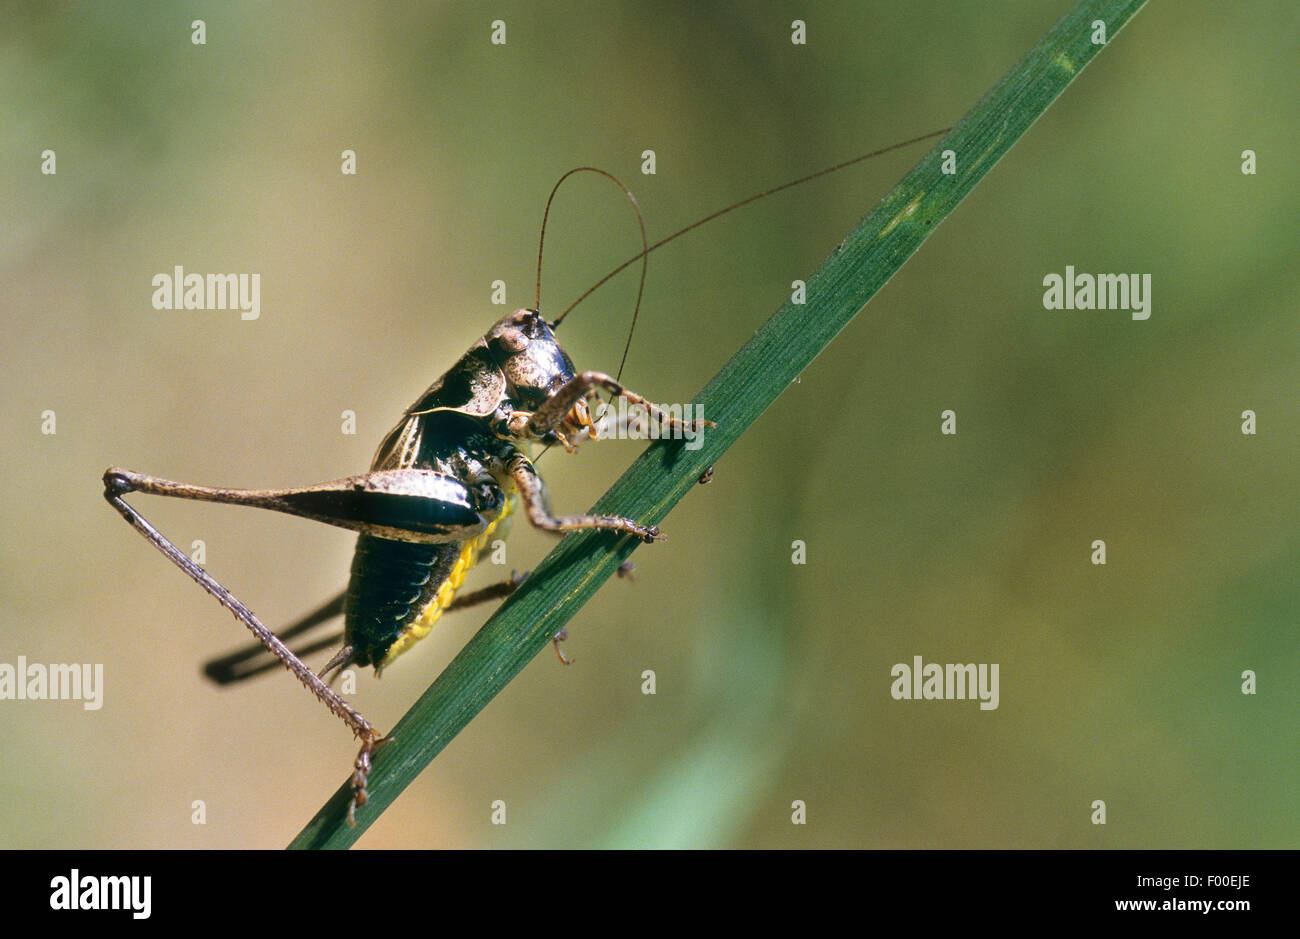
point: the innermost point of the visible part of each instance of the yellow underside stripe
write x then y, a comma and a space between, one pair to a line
469, 552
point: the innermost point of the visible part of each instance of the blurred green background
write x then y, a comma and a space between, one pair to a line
1119, 683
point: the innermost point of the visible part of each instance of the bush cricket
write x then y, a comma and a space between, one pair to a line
452, 470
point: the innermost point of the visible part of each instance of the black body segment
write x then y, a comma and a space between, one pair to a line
392, 583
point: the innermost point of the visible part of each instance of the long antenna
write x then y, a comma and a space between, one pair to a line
644, 255
735, 205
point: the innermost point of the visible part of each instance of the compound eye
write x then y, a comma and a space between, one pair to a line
532, 323
512, 340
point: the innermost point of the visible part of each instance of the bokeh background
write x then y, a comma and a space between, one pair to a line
1119, 683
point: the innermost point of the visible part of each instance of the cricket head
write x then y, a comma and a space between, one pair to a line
528, 354
535, 367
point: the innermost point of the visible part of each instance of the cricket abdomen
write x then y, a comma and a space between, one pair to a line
398, 590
